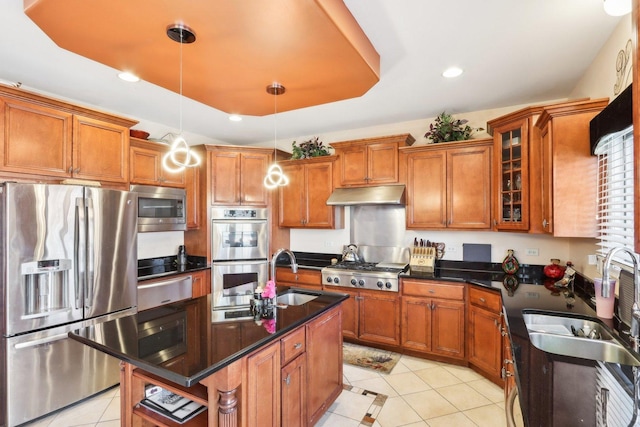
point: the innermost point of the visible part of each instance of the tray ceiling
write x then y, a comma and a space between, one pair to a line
314, 48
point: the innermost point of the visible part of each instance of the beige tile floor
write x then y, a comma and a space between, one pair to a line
419, 393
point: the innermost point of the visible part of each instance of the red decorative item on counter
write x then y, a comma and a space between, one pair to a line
554, 270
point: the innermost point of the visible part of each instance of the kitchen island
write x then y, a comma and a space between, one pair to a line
272, 367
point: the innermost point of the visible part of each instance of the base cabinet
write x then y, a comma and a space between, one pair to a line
433, 315
484, 341
371, 316
324, 363
294, 385
263, 387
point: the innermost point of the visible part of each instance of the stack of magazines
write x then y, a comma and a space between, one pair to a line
171, 405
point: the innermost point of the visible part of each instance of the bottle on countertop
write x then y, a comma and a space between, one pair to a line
182, 256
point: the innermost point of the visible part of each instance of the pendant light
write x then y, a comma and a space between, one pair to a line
275, 176
180, 156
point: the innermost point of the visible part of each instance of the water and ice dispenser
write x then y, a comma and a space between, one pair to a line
46, 287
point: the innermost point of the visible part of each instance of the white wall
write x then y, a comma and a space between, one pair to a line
159, 244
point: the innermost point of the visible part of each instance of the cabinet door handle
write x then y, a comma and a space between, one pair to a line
77, 170
504, 374
432, 291
495, 222
545, 223
287, 380
433, 306
482, 300
297, 345
70, 169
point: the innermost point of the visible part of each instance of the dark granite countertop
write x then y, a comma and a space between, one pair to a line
152, 268
208, 346
530, 291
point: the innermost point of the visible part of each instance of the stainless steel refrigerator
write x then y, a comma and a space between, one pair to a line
68, 259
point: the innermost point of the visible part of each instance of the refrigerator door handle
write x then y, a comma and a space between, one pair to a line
41, 341
89, 283
80, 254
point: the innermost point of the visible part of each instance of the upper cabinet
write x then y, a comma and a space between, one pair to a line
372, 161
145, 165
448, 185
45, 137
237, 175
303, 203
568, 171
515, 145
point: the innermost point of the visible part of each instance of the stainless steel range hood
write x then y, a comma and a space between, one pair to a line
379, 195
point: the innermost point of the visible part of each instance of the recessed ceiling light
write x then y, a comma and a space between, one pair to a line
452, 72
235, 118
129, 77
617, 7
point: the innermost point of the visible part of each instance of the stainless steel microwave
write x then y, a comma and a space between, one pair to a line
161, 208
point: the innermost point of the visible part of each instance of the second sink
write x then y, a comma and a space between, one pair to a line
555, 333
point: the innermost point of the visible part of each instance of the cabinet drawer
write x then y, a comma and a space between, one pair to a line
309, 277
486, 299
292, 345
431, 289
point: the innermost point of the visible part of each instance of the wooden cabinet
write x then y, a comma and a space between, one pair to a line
324, 363
565, 159
511, 176
194, 200
201, 283
37, 138
237, 175
146, 168
302, 203
100, 150
263, 387
303, 278
485, 346
371, 316
294, 385
448, 185
42, 136
372, 161
433, 316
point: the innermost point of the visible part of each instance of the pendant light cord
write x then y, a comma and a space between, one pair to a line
180, 102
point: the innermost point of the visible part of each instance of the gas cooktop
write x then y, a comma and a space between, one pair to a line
369, 266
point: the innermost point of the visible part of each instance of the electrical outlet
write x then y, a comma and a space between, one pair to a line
451, 249
533, 252
328, 244
593, 260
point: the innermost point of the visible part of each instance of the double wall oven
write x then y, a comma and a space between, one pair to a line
240, 250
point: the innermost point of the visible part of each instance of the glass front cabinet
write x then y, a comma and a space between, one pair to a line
511, 178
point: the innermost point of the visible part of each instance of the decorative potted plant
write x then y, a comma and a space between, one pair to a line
446, 129
308, 149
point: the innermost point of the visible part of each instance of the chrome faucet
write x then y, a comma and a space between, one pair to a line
606, 290
634, 332
292, 257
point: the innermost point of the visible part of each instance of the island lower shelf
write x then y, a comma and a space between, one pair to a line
289, 381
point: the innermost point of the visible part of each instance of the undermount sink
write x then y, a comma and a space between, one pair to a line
577, 337
294, 298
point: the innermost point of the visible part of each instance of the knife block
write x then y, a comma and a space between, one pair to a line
423, 259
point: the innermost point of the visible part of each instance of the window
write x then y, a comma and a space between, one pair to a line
615, 193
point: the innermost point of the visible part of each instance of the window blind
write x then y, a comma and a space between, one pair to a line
615, 193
